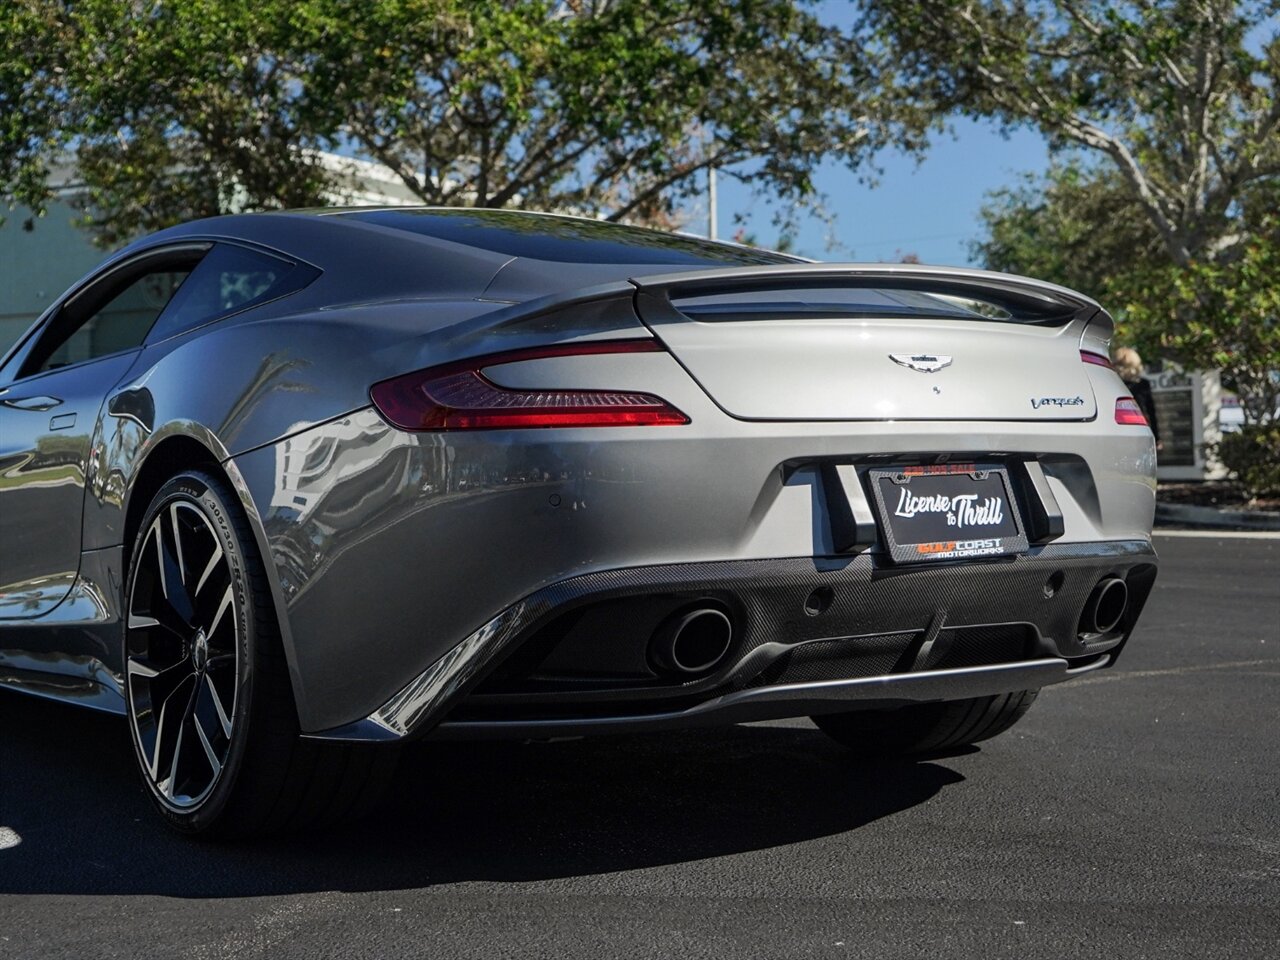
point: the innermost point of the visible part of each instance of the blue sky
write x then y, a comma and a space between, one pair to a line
929, 208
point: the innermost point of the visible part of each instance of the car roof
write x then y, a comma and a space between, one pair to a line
504, 255
557, 237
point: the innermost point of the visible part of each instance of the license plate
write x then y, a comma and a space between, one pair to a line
950, 511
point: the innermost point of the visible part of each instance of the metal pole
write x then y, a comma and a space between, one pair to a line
711, 203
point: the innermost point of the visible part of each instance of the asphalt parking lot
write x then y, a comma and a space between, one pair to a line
1133, 814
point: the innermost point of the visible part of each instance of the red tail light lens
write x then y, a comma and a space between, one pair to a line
1128, 412
1096, 358
458, 396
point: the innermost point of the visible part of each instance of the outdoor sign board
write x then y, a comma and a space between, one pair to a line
1187, 409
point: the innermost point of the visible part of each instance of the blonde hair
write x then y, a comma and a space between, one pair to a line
1127, 363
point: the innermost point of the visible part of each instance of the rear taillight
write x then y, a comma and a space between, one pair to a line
1096, 358
1128, 412
458, 396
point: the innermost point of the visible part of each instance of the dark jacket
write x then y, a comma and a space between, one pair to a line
1141, 390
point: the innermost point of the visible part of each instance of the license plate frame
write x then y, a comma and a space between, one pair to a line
950, 531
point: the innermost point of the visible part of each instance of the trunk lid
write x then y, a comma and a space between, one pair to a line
874, 343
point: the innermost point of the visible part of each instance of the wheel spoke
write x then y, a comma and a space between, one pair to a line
155, 748
165, 715
155, 537
140, 667
212, 565
136, 668
214, 762
168, 784
217, 617
188, 718
170, 621
177, 543
172, 588
172, 693
217, 706
167, 635
160, 613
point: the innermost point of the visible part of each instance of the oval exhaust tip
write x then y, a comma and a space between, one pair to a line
1105, 607
694, 642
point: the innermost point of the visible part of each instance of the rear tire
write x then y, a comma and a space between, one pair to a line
926, 727
211, 710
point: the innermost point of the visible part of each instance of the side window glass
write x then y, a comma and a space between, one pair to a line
228, 279
119, 324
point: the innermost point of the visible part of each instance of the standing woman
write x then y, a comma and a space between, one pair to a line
1129, 365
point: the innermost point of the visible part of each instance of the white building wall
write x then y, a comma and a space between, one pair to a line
38, 264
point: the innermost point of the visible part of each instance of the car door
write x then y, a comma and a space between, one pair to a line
51, 390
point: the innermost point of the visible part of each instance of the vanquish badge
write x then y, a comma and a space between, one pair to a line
1038, 402
924, 362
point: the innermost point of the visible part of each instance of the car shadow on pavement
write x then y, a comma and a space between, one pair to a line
458, 811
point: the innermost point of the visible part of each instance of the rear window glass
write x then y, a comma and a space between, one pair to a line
228, 279
565, 239
845, 301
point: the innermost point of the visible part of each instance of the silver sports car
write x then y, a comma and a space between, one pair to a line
286, 490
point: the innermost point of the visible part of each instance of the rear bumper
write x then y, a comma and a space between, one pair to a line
798, 699
879, 635
388, 550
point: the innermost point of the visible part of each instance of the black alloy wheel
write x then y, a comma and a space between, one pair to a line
182, 652
210, 701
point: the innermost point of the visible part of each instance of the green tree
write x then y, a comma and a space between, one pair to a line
28, 102
608, 107
169, 110
1084, 229
1219, 314
1075, 226
1177, 99
1169, 114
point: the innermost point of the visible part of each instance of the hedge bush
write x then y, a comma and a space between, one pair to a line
1252, 454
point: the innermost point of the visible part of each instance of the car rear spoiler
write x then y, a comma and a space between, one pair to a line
604, 310
1032, 300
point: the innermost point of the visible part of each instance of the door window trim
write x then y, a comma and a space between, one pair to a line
17, 355
110, 280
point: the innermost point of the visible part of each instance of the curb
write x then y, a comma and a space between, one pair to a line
1183, 515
